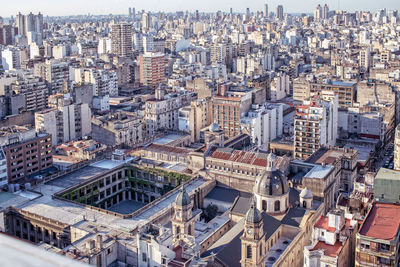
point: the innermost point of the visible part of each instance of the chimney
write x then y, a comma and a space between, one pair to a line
99, 242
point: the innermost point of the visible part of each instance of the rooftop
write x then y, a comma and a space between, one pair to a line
319, 171
329, 250
382, 221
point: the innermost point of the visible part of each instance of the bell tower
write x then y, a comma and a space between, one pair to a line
253, 239
183, 220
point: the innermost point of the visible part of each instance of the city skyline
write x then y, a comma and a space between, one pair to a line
103, 7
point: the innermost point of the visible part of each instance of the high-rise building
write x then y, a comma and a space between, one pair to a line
199, 117
365, 59
318, 13
122, 39
397, 149
266, 10
146, 21
152, 69
279, 12
54, 72
315, 124
325, 13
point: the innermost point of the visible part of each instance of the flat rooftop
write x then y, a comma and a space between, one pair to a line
382, 221
387, 174
169, 138
319, 171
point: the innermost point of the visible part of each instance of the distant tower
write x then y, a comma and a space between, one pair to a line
266, 10
325, 12
279, 12
248, 12
253, 239
183, 220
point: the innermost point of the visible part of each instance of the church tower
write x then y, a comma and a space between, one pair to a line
253, 239
183, 220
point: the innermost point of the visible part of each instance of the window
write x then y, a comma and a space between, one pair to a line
384, 247
264, 205
277, 205
248, 252
144, 257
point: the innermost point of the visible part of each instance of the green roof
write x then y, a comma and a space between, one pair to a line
387, 185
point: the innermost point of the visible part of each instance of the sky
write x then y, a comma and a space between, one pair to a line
79, 7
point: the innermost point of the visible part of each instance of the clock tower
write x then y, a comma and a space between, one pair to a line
183, 219
253, 239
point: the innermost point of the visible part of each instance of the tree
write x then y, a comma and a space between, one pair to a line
210, 212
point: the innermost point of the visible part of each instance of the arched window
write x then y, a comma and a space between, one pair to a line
248, 252
304, 204
277, 205
260, 250
178, 229
190, 230
264, 205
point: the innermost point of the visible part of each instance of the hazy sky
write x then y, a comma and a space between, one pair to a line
71, 7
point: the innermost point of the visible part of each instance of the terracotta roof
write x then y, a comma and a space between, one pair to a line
329, 250
323, 223
382, 221
239, 156
166, 149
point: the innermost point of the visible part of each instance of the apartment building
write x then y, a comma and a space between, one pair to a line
315, 124
26, 151
54, 72
64, 120
377, 242
122, 39
34, 90
199, 117
152, 69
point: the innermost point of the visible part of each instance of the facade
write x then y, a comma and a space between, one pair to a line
3, 168
34, 90
227, 109
105, 82
118, 129
152, 69
26, 152
122, 39
263, 123
54, 72
396, 159
345, 91
64, 120
377, 241
315, 125
161, 112
199, 117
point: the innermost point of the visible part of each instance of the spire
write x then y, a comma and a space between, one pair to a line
253, 214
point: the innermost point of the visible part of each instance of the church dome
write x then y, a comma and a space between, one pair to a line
272, 183
214, 127
183, 198
253, 215
306, 193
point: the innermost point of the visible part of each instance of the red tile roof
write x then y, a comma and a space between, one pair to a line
329, 250
323, 223
244, 157
382, 221
166, 149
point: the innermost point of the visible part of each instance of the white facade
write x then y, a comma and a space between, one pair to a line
3, 168
104, 46
263, 123
101, 103
280, 87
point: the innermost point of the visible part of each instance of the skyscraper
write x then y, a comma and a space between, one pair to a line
318, 13
146, 21
248, 12
325, 14
266, 10
122, 39
279, 12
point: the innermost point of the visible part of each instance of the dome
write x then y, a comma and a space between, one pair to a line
271, 183
253, 215
183, 198
214, 127
306, 193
